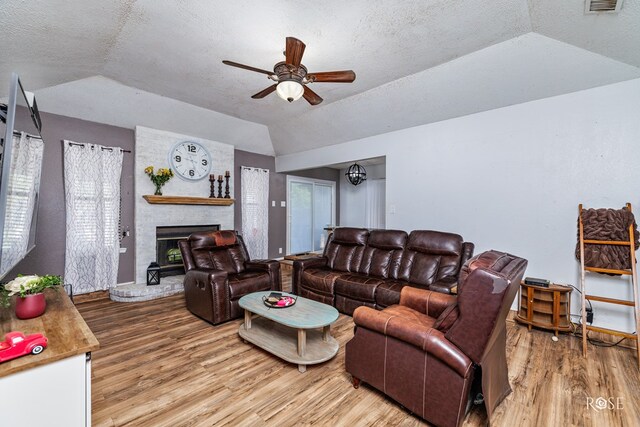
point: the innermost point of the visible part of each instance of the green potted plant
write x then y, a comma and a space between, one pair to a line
30, 302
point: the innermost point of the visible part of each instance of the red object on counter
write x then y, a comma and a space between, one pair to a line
16, 344
30, 306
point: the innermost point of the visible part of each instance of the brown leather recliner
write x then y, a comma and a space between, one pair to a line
426, 351
219, 272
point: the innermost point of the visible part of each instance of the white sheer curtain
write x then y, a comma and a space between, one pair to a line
24, 185
92, 195
375, 203
255, 211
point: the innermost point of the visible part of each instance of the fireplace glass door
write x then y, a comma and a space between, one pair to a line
167, 251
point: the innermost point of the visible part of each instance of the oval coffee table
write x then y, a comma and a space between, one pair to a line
298, 334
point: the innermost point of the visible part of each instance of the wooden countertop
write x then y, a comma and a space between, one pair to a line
66, 330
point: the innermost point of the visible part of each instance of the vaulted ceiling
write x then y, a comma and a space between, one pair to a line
158, 62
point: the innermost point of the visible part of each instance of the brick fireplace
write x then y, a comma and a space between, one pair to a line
152, 148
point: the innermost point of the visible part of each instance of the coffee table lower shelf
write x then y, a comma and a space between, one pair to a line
300, 346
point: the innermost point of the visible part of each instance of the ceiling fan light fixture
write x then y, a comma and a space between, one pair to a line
290, 90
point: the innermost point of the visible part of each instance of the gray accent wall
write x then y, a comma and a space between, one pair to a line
277, 193
48, 255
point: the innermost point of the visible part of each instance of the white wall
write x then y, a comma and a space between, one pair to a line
102, 100
511, 179
353, 199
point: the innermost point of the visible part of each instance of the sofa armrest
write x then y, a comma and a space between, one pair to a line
467, 252
426, 301
444, 285
270, 266
205, 289
200, 277
300, 265
425, 338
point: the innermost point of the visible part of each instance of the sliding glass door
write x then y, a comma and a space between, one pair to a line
310, 208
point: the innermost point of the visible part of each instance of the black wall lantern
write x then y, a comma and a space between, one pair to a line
356, 174
153, 274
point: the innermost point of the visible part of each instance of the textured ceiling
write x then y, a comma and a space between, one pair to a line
416, 61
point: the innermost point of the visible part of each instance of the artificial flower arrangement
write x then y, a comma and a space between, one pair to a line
160, 178
28, 285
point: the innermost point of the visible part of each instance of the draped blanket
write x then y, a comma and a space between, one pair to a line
607, 224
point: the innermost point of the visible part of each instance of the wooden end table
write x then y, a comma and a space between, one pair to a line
547, 308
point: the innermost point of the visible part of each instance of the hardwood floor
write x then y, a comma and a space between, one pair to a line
159, 365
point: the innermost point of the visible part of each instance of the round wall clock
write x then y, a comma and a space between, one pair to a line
190, 160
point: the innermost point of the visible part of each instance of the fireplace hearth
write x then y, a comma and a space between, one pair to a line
168, 254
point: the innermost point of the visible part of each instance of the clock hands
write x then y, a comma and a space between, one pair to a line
198, 164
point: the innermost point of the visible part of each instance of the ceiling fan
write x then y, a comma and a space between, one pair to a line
291, 76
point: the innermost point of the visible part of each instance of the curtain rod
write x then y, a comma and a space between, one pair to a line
103, 148
252, 168
16, 133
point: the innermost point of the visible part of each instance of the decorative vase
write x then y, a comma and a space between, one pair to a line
30, 306
158, 190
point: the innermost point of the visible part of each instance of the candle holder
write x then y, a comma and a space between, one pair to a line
212, 191
227, 175
219, 186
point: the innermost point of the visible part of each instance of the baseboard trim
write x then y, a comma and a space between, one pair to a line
91, 296
606, 338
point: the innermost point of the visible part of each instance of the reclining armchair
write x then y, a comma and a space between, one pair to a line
425, 352
219, 272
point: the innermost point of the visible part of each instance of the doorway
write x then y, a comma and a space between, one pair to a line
311, 207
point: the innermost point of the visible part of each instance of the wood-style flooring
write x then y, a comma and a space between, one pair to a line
159, 365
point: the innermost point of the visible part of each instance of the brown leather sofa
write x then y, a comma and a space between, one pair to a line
361, 267
219, 272
425, 352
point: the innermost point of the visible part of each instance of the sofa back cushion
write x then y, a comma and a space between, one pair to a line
345, 248
430, 256
219, 250
382, 255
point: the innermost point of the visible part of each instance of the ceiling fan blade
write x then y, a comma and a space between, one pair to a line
294, 51
264, 92
311, 97
346, 76
247, 67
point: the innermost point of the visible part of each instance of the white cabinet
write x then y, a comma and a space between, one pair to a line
55, 394
52, 388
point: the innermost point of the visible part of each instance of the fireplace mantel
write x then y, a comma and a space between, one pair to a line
186, 200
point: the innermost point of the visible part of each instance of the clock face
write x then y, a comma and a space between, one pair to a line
190, 160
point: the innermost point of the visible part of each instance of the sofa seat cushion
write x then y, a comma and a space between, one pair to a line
407, 313
320, 280
388, 293
358, 286
241, 284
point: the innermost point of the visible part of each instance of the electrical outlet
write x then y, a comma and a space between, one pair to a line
283, 204
279, 250
273, 203
123, 250
589, 315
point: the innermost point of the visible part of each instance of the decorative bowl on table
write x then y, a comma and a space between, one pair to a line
277, 300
